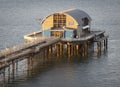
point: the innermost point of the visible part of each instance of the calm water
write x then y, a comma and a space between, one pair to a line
19, 17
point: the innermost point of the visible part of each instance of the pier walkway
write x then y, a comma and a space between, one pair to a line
8, 55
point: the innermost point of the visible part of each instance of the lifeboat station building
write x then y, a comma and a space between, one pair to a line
72, 29
73, 23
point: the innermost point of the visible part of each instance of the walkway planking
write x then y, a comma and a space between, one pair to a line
17, 52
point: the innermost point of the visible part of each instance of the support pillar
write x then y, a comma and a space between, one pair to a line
16, 65
13, 69
83, 50
106, 43
8, 73
92, 44
86, 48
58, 49
76, 49
79, 49
3, 76
72, 49
47, 53
100, 47
44, 55
55, 49
50, 51
61, 49
97, 48
28, 63
68, 49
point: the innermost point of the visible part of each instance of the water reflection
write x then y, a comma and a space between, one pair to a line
35, 65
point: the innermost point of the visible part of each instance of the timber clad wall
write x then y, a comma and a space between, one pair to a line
68, 33
70, 22
48, 23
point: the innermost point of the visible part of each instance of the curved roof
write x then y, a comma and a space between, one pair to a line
78, 15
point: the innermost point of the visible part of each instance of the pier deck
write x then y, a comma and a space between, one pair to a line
83, 38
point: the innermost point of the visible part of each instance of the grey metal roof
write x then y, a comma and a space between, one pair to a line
78, 15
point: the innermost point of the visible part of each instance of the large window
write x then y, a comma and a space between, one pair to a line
59, 20
86, 26
85, 21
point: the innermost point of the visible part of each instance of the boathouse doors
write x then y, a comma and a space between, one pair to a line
57, 33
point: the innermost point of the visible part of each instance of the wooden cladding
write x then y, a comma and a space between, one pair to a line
59, 20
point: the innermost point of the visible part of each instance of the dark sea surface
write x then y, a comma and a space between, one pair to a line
20, 17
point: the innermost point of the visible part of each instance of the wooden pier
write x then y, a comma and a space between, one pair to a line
11, 54
53, 46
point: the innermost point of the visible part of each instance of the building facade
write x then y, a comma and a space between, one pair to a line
73, 23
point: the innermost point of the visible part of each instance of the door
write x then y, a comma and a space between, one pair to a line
57, 33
